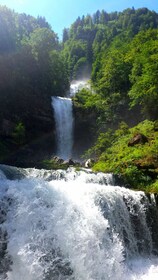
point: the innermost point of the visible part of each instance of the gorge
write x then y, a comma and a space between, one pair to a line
59, 223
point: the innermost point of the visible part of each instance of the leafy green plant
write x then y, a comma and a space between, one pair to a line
153, 187
19, 133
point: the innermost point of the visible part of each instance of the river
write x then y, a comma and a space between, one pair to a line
75, 225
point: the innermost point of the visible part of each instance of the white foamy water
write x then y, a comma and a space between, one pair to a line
78, 85
75, 225
64, 126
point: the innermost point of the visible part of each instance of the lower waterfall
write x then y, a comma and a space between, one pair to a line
74, 225
64, 126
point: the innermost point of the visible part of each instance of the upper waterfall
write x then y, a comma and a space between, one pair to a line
77, 85
63, 114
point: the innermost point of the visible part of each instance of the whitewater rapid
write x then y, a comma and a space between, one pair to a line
74, 225
78, 85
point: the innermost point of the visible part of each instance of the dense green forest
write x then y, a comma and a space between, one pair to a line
31, 71
118, 53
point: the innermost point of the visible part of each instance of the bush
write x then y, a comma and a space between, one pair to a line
19, 133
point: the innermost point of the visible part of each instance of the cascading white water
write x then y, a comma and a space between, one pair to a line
74, 225
77, 85
64, 125
63, 114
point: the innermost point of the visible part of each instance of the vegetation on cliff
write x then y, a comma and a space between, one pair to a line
130, 152
121, 50
124, 88
31, 71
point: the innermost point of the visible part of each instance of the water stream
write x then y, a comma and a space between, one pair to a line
63, 114
74, 225
77, 85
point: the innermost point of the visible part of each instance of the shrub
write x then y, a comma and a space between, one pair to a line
19, 133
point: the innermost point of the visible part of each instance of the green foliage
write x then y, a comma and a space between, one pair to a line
80, 67
138, 164
28, 58
86, 99
97, 32
42, 41
144, 58
153, 187
75, 55
121, 50
8, 34
51, 164
104, 141
19, 134
32, 69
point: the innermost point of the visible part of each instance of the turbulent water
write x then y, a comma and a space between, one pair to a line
74, 225
77, 85
64, 126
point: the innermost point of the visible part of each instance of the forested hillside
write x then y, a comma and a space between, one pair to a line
31, 71
119, 52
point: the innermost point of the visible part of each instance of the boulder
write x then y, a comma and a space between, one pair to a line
69, 162
89, 163
138, 138
58, 160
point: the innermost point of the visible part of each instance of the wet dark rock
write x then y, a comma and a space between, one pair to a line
69, 162
89, 163
65, 163
2, 216
156, 125
139, 138
58, 160
5, 259
59, 271
32, 154
59, 267
7, 127
152, 220
156, 199
119, 180
85, 130
36, 114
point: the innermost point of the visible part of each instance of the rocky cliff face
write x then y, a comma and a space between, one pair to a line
36, 116
34, 112
84, 131
39, 143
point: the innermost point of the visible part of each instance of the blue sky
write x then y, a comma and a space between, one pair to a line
61, 13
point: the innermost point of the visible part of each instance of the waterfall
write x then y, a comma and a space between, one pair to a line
77, 85
75, 225
64, 125
63, 115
